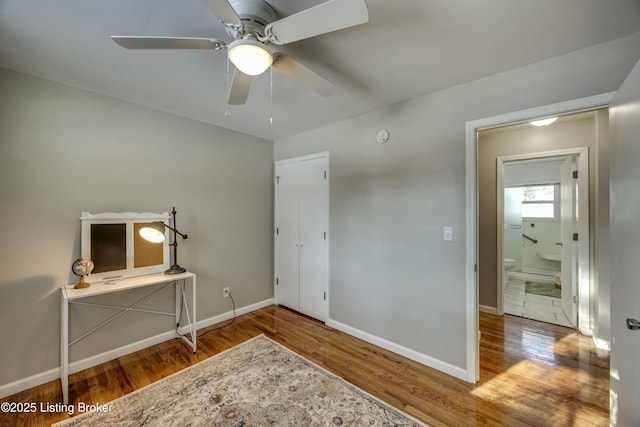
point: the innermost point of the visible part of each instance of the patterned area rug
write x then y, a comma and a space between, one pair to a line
546, 289
256, 383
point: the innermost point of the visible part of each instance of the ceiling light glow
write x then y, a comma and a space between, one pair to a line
544, 122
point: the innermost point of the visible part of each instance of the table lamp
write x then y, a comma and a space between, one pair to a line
154, 232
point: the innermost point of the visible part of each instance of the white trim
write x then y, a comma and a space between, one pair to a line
429, 361
54, 374
29, 382
471, 305
586, 291
501, 285
471, 129
320, 155
119, 352
574, 106
229, 314
487, 309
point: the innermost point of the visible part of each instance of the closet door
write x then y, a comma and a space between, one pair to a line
313, 202
287, 219
301, 221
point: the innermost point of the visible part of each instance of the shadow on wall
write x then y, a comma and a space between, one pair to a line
27, 353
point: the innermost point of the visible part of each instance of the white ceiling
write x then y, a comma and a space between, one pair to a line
407, 49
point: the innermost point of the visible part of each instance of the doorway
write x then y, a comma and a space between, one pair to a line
543, 235
473, 223
543, 159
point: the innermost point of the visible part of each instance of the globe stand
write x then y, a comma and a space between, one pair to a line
82, 268
81, 284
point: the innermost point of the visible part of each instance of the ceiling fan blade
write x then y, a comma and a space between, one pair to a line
240, 85
302, 74
142, 42
324, 18
223, 10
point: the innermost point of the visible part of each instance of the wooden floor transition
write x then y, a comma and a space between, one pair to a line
532, 373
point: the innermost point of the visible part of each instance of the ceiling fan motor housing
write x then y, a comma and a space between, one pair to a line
255, 15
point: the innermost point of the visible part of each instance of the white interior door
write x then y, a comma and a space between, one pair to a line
625, 250
313, 244
301, 241
569, 249
287, 219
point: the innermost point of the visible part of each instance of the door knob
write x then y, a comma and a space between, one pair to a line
633, 324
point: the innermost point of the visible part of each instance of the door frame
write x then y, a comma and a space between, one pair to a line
585, 313
471, 160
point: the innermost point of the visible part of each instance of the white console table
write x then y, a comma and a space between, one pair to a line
75, 296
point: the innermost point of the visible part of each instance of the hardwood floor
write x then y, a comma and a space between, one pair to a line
532, 373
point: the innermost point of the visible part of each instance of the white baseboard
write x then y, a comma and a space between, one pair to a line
30, 382
97, 359
54, 374
487, 309
429, 361
229, 314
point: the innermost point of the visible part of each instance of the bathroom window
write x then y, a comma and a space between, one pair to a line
541, 201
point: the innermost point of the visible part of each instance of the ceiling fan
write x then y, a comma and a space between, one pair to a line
257, 33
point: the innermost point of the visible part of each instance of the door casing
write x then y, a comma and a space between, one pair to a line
471, 161
585, 325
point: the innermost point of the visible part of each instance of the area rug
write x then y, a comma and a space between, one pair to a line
256, 383
545, 289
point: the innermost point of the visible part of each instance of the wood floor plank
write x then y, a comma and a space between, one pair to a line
531, 373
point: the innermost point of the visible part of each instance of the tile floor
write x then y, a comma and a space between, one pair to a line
538, 307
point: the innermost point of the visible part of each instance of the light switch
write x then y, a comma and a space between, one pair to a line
447, 233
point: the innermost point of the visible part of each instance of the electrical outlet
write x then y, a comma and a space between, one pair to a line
225, 292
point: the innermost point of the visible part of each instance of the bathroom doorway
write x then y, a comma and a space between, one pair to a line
579, 134
541, 219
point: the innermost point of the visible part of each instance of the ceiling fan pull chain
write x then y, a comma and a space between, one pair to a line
228, 81
271, 94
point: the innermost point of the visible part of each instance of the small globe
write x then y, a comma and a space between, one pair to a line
82, 267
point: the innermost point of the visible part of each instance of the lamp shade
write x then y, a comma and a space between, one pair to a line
249, 56
153, 232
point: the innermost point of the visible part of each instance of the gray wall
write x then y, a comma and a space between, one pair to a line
64, 151
391, 274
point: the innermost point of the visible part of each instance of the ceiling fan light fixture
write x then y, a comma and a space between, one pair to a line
250, 56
